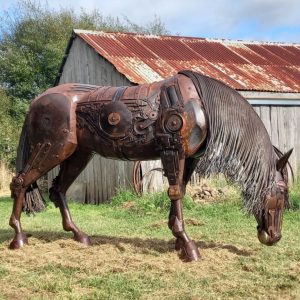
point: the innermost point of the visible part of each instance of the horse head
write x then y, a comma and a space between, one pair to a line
269, 219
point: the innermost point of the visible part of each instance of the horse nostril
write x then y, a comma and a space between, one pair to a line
277, 237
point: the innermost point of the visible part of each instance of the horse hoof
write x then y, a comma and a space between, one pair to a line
83, 238
188, 251
19, 241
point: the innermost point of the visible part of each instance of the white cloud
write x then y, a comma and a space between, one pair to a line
255, 19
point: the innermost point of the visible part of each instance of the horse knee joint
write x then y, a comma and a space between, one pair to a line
175, 192
16, 186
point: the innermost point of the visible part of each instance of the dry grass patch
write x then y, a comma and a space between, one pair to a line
117, 267
132, 257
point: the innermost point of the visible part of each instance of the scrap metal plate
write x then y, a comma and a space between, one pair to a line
115, 119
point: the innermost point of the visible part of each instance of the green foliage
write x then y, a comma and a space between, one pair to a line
34, 38
148, 203
11, 113
122, 196
295, 194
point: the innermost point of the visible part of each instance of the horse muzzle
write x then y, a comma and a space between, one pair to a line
267, 239
269, 230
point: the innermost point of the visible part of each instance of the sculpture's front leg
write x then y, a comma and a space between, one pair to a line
174, 168
187, 247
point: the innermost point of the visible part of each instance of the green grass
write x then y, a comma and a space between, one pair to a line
132, 255
295, 195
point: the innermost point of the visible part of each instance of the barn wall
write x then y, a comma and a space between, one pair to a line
101, 177
282, 124
84, 65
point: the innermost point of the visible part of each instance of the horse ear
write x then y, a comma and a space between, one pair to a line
282, 161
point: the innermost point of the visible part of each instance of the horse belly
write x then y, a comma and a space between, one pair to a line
121, 127
142, 148
113, 130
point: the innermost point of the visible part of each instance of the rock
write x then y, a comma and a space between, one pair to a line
207, 188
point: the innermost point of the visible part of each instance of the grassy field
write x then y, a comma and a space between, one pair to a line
132, 255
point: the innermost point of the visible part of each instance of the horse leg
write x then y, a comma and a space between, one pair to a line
18, 193
69, 171
38, 164
189, 167
174, 168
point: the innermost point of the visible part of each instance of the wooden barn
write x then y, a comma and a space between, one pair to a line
266, 74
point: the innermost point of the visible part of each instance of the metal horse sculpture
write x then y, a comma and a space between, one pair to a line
189, 121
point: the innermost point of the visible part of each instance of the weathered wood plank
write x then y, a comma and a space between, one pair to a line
265, 117
281, 133
292, 137
152, 181
257, 110
297, 137
274, 126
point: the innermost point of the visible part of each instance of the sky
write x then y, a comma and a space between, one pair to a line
259, 20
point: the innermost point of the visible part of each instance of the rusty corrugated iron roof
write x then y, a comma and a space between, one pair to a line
246, 66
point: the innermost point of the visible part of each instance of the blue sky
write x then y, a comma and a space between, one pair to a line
262, 20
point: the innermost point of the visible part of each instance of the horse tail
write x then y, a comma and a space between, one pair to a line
33, 200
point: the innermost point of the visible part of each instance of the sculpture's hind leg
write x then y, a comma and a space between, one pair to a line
174, 168
39, 163
69, 171
18, 193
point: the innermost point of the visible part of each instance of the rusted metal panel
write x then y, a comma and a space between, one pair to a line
285, 54
215, 52
264, 52
246, 66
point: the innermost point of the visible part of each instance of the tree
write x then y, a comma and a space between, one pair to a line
9, 130
33, 39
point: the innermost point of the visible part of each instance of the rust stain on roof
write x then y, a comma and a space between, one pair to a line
248, 66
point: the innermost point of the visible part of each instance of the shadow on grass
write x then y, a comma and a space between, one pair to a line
145, 245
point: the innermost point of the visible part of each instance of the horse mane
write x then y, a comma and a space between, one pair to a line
238, 144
